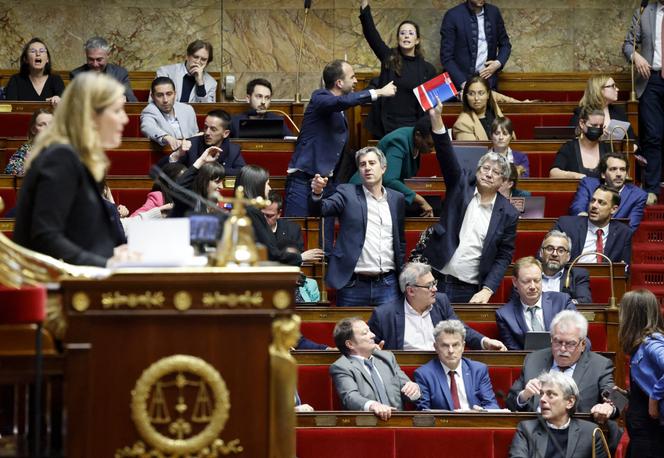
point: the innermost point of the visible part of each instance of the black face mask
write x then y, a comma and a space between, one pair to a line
593, 133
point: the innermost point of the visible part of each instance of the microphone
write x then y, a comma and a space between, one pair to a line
644, 3
298, 96
612, 298
307, 4
186, 195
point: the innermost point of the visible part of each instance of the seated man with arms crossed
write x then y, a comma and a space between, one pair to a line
472, 244
557, 433
259, 96
450, 381
408, 323
166, 121
365, 377
529, 309
554, 254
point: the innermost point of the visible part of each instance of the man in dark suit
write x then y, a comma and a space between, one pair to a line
645, 30
557, 432
365, 377
259, 96
597, 232
554, 254
216, 133
473, 40
367, 256
472, 244
324, 133
408, 323
613, 168
529, 310
592, 372
96, 55
287, 233
451, 382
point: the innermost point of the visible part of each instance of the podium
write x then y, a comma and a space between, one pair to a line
181, 362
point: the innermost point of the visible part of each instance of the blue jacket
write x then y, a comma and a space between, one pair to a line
443, 239
511, 323
458, 41
647, 368
618, 244
632, 201
349, 204
436, 391
324, 131
388, 323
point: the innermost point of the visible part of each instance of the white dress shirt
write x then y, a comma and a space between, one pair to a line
552, 283
461, 388
591, 243
482, 47
378, 251
465, 262
539, 314
657, 52
418, 330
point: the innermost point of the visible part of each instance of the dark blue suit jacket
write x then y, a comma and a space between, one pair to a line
632, 201
458, 42
388, 322
231, 157
235, 122
324, 131
618, 244
512, 326
436, 391
444, 236
579, 285
349, 204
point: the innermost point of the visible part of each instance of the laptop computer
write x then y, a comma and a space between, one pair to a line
261, 128
554, 132
530, 207
469, 155
537, 340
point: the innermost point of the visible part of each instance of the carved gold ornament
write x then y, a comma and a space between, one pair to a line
80, 301
247, 299
281, 299
182, 300
161, 411
148, 299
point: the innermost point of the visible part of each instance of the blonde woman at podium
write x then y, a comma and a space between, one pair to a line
60, 210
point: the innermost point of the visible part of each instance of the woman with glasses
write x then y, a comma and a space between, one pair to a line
405, 66
641, 336
601, 94
580, 157
480, 109
34, 82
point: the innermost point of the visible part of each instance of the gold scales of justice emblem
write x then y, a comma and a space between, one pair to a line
179, 406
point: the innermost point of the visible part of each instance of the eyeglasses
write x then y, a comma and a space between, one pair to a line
431, 285
549, 249
610, 85
487, 168
571, 345
37, 51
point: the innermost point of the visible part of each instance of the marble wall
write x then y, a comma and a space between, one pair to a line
261, 37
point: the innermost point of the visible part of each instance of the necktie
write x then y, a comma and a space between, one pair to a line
599, 245
535, 324
378, 383
454, 391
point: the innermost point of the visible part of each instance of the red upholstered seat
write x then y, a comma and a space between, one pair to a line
347, 442
437, 442
24, 305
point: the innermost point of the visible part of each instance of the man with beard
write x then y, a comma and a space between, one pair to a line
259, 97
554, 254
216, 133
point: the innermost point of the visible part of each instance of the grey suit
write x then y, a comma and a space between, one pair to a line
155, 126
531, 439
177, 71
355, 386
593, 374
645, 36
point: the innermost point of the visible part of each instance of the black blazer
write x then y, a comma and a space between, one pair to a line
231, 157
289, 234
61, 213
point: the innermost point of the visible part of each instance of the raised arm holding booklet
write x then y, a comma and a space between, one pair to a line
440, 86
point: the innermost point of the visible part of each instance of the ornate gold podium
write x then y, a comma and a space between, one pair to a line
181, 362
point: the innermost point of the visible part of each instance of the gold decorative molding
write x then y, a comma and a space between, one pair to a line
148, 299
80, 301
281, 299
247, 299
163, 418
182, 300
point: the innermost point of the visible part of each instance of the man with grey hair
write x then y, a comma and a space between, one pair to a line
592, 372
96, 55
558, 433
408, 323
366, 377
472, 244
450, 381
370, 247
554, 254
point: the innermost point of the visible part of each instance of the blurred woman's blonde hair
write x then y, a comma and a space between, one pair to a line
87, 95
